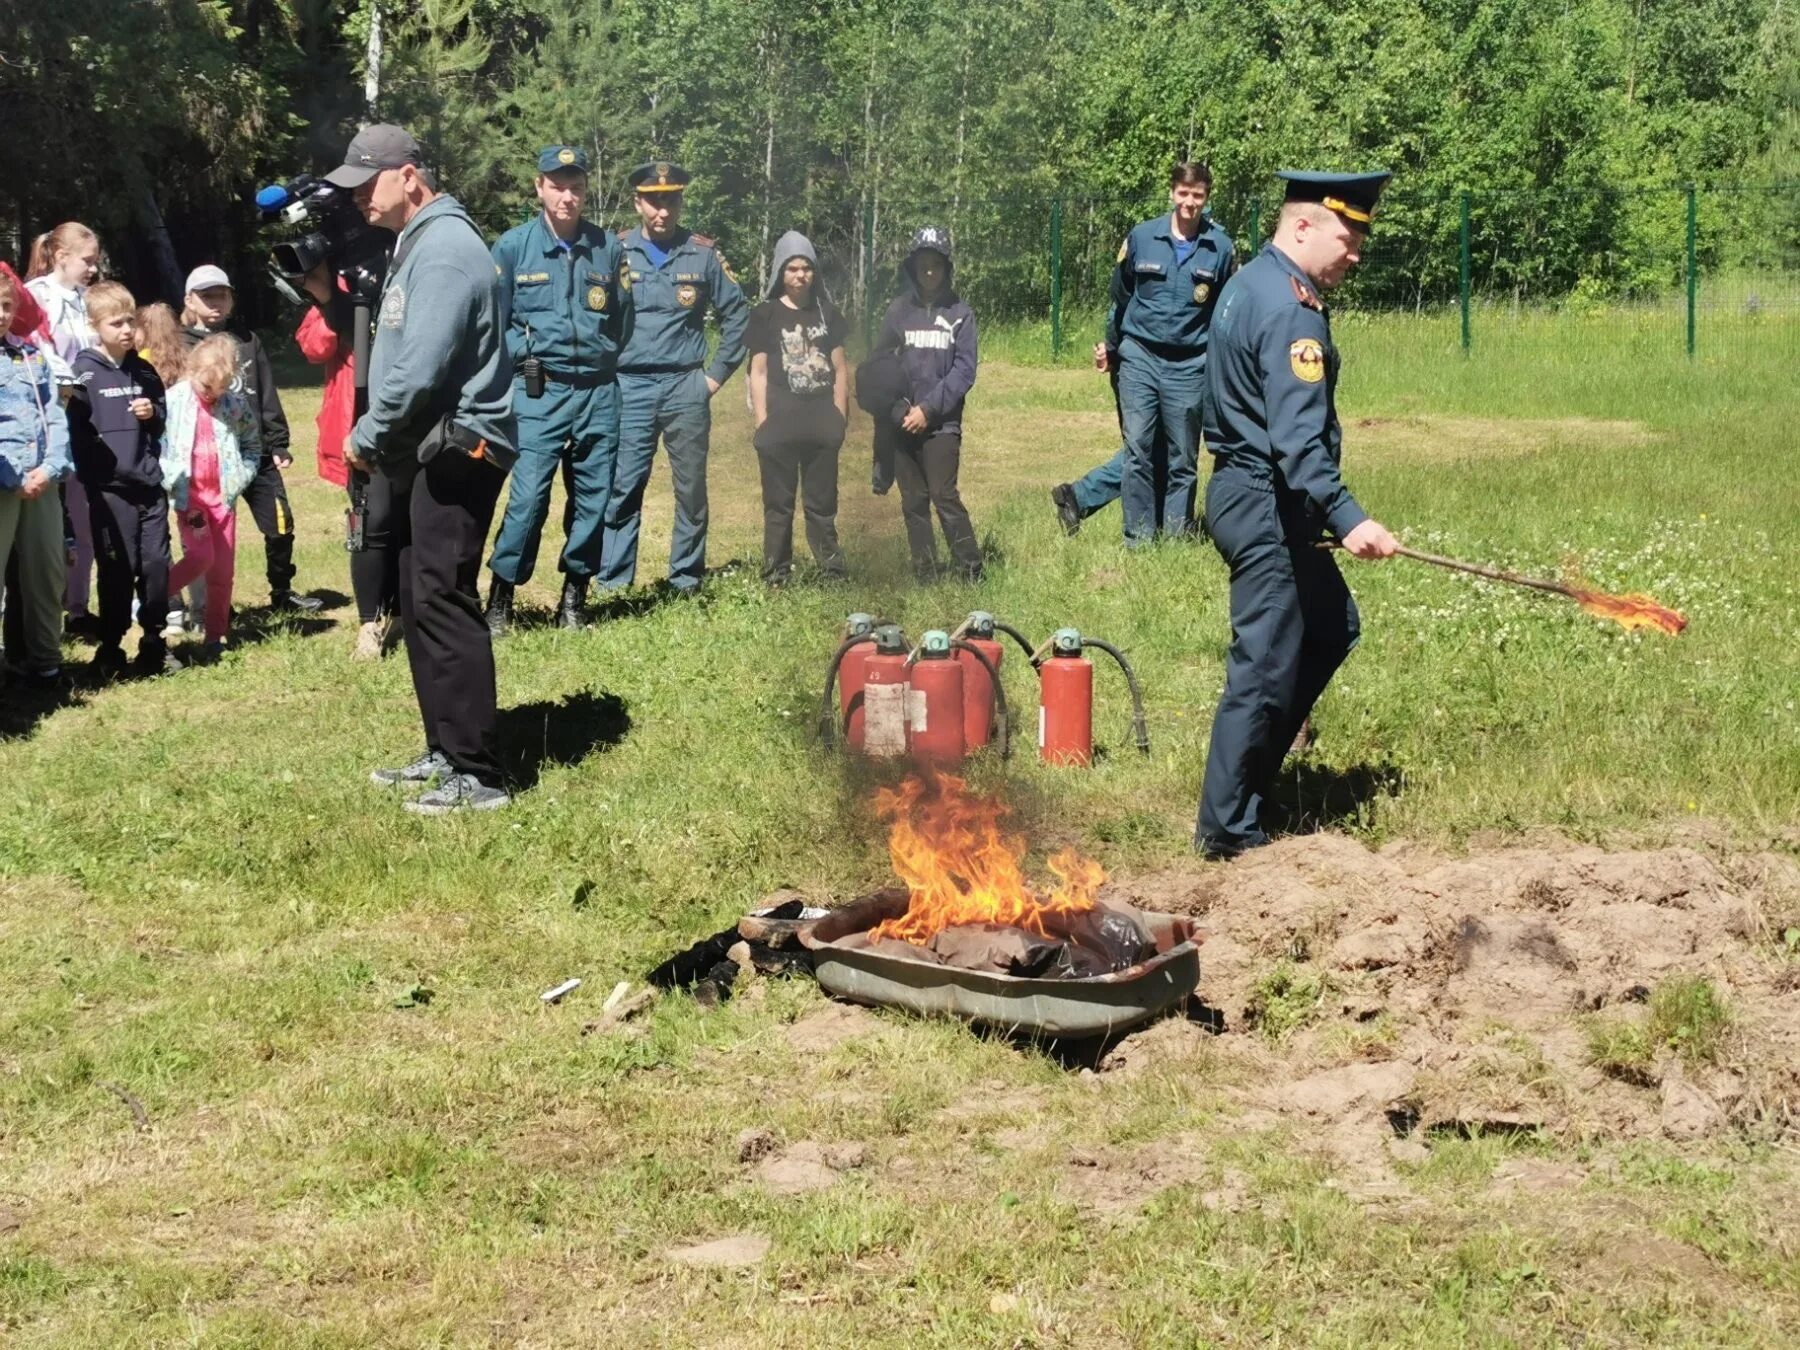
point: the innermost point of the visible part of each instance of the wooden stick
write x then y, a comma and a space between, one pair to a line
1475, 569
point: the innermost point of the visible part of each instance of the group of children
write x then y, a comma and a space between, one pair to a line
113, 415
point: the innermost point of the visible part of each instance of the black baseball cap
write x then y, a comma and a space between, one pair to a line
382, 146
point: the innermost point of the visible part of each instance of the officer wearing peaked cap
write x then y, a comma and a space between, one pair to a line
563, 303
1276, 492
666, 383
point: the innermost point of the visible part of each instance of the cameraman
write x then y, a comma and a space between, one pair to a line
440, 430
326, 337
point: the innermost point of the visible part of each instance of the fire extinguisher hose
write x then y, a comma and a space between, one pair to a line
827, 712
1138, 726
1015, 635
999, 693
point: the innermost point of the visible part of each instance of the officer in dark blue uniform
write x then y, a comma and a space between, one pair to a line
1167, 282
565, 315
674, 276
1276, 492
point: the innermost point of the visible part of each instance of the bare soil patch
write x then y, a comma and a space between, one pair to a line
1431, 996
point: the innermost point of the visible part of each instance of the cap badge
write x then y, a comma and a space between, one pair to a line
565, 156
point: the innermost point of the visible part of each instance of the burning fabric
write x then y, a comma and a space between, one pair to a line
969, 905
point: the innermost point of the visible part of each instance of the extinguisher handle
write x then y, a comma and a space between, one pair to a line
1000, 719
1138, 726
827, 713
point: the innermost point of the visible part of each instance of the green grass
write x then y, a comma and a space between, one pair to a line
204, 903
1686, 1016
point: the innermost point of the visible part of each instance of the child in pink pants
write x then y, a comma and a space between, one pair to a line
209, 456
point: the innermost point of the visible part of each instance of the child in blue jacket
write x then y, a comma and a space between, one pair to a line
34, 459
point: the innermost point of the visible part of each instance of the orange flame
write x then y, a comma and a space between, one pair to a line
1631, 611
948, 848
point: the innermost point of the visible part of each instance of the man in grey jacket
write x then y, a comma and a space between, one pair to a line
440, 428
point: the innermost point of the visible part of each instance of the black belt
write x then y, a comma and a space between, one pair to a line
1167, 351
671, 369
587, 379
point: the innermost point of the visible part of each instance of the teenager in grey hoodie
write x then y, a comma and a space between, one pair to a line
799, 402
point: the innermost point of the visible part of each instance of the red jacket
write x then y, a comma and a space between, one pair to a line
319, 345
28, 314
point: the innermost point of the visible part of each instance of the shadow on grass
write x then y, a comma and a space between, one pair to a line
1310, 796
23, 704
565, 732
636, 601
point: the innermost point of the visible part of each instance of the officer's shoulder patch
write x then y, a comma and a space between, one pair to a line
1124, 245
1304, 294
1307, 359
725, 267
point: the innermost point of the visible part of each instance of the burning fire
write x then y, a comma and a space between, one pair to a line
1630, 611
948, 848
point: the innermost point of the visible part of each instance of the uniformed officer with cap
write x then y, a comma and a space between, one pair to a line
1167, 281
1276, 492
563, 305
665, 382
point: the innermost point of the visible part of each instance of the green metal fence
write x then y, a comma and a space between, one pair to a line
1684, 270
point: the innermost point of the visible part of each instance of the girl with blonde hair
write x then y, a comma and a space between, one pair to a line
210, 453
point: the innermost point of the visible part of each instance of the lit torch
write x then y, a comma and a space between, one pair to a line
1628, 611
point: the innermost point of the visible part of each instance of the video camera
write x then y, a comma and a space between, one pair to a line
339, 236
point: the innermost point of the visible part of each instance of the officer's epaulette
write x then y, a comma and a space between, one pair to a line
624, 234
1305, 295
704, 240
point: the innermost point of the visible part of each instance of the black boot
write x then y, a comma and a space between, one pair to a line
292, 602
574, 600
499, 607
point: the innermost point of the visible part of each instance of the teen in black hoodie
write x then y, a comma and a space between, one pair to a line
115, 435
933, 330
206, 310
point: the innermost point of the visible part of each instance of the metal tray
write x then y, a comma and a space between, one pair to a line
1094, 1006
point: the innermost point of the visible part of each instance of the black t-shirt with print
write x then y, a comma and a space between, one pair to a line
798, 344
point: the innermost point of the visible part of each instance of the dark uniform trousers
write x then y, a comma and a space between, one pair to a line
925, 467
131, 550
442, 518
1292, 624
267, 499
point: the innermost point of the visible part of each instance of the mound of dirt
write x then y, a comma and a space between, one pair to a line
1406, 992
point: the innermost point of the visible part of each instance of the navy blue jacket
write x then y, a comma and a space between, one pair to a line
937, 348
669, 304
1161, 301
1271, 386
112, 449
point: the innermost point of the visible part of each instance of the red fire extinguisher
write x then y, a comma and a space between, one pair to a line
1066, 699
975, 639
858, 639
885, 687
935, 702
864, 642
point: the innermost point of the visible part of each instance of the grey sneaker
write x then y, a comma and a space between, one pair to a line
368, 641
427, 768
459, 792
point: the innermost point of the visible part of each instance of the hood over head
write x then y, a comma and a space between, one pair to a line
793, 245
